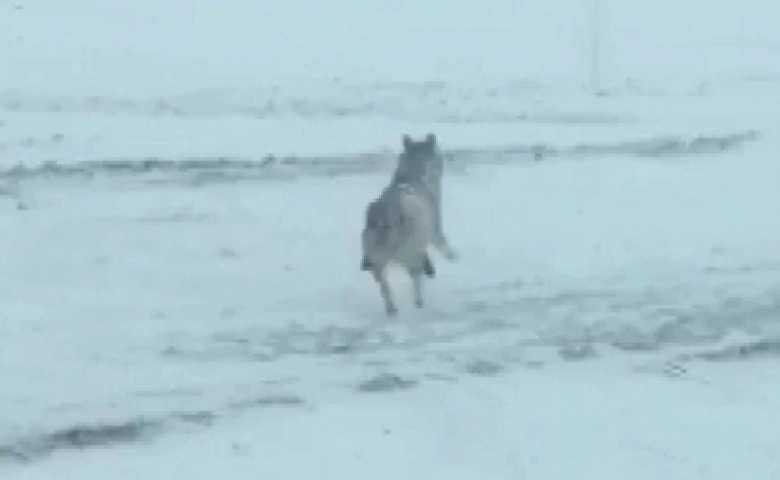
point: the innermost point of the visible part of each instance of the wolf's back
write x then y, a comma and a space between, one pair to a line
398, 223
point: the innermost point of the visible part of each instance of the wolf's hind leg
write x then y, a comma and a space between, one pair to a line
424, 267
427, 267
387, 294
417, 282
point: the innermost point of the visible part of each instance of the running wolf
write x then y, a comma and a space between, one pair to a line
405, 219
398, 229
421, 166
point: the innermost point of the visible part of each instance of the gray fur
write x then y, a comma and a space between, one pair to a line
405, 219
421, 165
398, 229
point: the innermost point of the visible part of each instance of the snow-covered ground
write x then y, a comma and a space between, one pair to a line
182, 187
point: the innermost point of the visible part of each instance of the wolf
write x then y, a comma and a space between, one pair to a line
404, 220
421, 165
399, 227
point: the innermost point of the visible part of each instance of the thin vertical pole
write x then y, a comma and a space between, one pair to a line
596, 13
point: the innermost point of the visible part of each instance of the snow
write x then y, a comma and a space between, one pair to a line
182, 187
523, 426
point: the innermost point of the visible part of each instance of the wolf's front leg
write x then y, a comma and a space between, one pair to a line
439, 239
443, 246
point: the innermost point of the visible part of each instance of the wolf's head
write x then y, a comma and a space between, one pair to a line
420, 160
422, 150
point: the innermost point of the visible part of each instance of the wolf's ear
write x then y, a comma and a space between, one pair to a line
407, 142
430, 139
